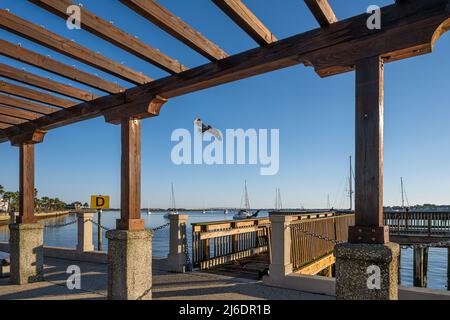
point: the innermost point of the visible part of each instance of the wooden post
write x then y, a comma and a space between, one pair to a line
129, 116
369, 154
130, 212
448, 268
420, 267
26, 187
400, 267
26, 142
99, 230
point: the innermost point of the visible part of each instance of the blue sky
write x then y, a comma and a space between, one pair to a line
315, 117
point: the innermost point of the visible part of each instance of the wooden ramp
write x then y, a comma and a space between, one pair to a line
253, 267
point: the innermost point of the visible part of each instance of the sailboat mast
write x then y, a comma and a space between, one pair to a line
173, 199
247, 202
279, 199
276, 198
403, 193
350, 185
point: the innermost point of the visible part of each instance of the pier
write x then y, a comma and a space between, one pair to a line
299, 247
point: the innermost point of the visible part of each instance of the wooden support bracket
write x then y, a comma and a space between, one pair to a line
30, 137
146, 108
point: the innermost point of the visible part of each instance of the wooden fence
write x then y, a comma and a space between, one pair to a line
218, 242
307, 248
418, 223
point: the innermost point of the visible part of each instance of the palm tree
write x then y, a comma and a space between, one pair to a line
2, 190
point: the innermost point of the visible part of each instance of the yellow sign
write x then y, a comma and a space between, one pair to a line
100, 202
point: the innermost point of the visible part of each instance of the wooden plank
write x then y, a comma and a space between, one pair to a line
38, 96
18, 113
4, 125
44, 37
328, 48
244, 18
315, 267
26, 105
11, 120
21, 54
44, 83
223, 233
130, 199
322, 11
369, 143
114, 35
167, 21
26, 186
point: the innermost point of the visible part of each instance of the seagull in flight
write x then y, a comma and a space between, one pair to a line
207, 128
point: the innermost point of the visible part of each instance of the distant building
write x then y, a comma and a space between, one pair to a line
3, 205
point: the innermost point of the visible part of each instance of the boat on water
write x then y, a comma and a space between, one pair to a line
173, 210
245, 213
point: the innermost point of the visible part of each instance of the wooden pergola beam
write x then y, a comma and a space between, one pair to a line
42, 36
34, 95
114, 35
411, 30
10, 120
4, 126
44, 83
26, 105
246, 20
18, 113
322, 11
176, 27
21, 54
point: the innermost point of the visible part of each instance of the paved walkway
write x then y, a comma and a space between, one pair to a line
189, 286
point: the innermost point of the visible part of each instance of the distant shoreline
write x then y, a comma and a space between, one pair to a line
4, 219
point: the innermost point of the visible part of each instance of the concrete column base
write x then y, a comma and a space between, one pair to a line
129, 264
26, 245
357, 275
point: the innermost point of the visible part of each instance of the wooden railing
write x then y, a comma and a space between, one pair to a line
218, 242
418, 223
307, 248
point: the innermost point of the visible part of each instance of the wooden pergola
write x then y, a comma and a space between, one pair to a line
409, 28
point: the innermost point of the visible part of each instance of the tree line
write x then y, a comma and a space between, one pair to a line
44, 204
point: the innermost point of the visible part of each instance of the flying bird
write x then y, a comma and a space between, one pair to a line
207, 128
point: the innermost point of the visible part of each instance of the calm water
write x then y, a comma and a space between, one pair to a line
67, 237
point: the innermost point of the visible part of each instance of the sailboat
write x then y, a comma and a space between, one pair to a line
245, 212
404, 208
173, 210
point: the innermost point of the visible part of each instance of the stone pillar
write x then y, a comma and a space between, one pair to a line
367, 266
84, 232
281, 247
26, 247
176, 260
129, 264
367, 271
